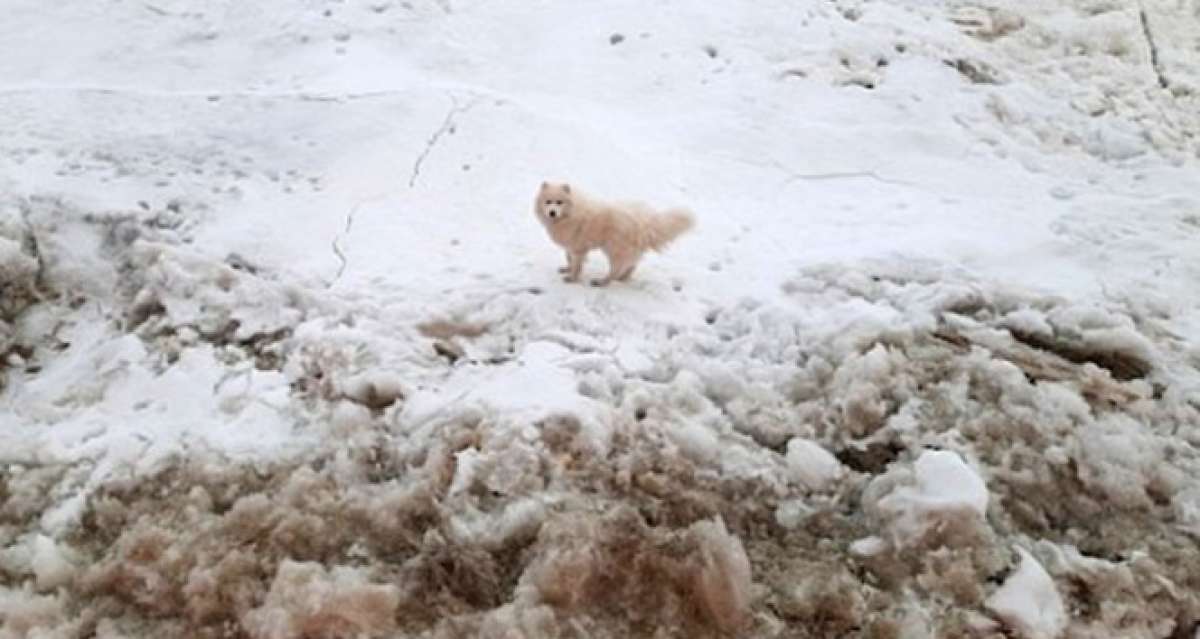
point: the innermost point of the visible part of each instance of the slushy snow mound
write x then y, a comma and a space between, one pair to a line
284, 355
877, 483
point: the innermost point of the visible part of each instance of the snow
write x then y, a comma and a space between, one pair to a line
1028, 602
270, 287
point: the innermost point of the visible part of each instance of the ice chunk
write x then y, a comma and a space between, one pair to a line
695, 440
790, 514
1029, 322
723, 583
944, 489
51, 565
1028, 602
868, 546
466, 469
811, 464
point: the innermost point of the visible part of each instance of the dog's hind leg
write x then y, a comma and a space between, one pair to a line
618, 265
627, 272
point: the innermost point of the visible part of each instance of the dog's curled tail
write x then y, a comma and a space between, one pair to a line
664, 227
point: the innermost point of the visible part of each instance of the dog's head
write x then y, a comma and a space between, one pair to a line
553, 202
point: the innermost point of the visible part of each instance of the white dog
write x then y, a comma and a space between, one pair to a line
624, 231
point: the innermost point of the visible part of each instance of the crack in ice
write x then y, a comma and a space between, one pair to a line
1154, 61
447, 126
794, 176
841, 175
336, 244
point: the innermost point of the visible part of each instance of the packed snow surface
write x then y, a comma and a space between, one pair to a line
284, 352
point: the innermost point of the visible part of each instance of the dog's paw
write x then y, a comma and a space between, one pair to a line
598, 283
564, 269
570, 279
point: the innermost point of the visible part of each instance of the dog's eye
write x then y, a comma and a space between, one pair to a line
558, 202
549, 202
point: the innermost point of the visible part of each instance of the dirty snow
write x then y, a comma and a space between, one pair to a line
284, 353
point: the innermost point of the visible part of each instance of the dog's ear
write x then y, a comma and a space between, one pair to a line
545, 185
566, 188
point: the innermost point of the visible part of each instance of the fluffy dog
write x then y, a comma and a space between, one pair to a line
623, 231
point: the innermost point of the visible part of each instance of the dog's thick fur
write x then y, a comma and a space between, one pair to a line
623, 231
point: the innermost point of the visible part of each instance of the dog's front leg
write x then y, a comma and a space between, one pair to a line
567, 268
574, 266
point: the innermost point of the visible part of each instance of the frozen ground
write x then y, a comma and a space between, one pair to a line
285, 353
